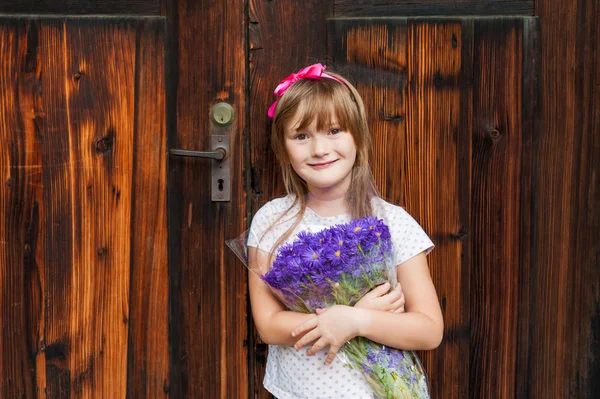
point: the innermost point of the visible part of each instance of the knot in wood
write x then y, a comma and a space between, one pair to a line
495, 134
78, 76
104, 144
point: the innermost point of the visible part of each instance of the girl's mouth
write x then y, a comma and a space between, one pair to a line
322, 164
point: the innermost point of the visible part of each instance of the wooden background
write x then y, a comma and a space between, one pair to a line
488, 109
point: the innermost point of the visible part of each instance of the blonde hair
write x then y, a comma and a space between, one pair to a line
320, 99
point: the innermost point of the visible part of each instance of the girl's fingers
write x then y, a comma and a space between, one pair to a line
307, 339
379, 290
394, 296
398, 302
317, 347
331, 355
307, 325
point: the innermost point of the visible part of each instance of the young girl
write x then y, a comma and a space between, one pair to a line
321, 139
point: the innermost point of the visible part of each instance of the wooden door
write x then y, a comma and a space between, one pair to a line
91, 304
83, 238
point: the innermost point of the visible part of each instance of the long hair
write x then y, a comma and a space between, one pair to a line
322, 100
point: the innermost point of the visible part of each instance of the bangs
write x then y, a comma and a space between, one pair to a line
326, 103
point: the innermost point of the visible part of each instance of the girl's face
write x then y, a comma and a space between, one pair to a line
323, 159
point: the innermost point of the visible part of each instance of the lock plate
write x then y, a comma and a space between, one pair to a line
221, 171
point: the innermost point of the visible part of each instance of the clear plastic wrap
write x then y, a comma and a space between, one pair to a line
339, 265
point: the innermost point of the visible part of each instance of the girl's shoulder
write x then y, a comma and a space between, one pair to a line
385, 209
275, 208
271, 221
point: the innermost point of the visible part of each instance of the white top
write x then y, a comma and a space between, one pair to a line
290, 374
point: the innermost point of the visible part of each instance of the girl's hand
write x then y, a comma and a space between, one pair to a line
380, 299
333, 326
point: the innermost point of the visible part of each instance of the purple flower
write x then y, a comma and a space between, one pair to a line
312, 257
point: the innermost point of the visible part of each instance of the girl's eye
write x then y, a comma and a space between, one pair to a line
300, 136
335, 130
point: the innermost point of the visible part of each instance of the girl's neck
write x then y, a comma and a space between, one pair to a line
327, 204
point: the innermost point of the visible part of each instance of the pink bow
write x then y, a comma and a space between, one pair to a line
314, 71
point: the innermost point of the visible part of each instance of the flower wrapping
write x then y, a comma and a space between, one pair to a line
338, 266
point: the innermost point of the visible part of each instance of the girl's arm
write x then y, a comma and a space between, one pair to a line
421, 327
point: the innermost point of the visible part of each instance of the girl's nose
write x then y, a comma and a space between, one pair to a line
319, 146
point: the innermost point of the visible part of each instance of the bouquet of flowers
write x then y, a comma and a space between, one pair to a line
338, 266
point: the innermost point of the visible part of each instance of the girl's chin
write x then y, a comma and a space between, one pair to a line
324, 185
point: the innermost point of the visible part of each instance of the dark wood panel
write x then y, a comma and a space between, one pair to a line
436, 142
531, 133
403, 8
139, 7
67, 186
208, 301
148, 358
565, 316
499, 215
22, 277
279, 46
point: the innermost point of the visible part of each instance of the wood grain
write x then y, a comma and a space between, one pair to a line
148, 349
405, 8
433, 182
278, 45
499, 217
83, 7
565, 315
208, 300
67, 169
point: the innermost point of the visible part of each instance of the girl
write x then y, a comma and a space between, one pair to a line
322, 142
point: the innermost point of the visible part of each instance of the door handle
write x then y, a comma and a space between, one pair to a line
219, 155
220, 173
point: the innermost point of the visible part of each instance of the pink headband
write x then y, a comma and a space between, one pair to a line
314, 71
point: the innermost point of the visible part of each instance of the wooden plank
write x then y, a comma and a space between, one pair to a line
498, 270
208, 330
148, 358
566, 302
405, 8
531, 133
434, 185
278, 47
100, 106
68, 168
409, 73
21, 279
139, 7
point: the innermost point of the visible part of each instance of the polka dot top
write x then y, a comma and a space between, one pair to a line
290, 374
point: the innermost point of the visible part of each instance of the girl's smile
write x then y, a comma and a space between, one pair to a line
323, 165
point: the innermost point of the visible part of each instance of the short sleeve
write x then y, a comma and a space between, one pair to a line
260, 224
408, 237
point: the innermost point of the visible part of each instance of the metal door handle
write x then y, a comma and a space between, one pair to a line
220, 174
219, 155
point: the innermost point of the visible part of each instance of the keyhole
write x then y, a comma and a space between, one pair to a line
221, 118
221, 181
